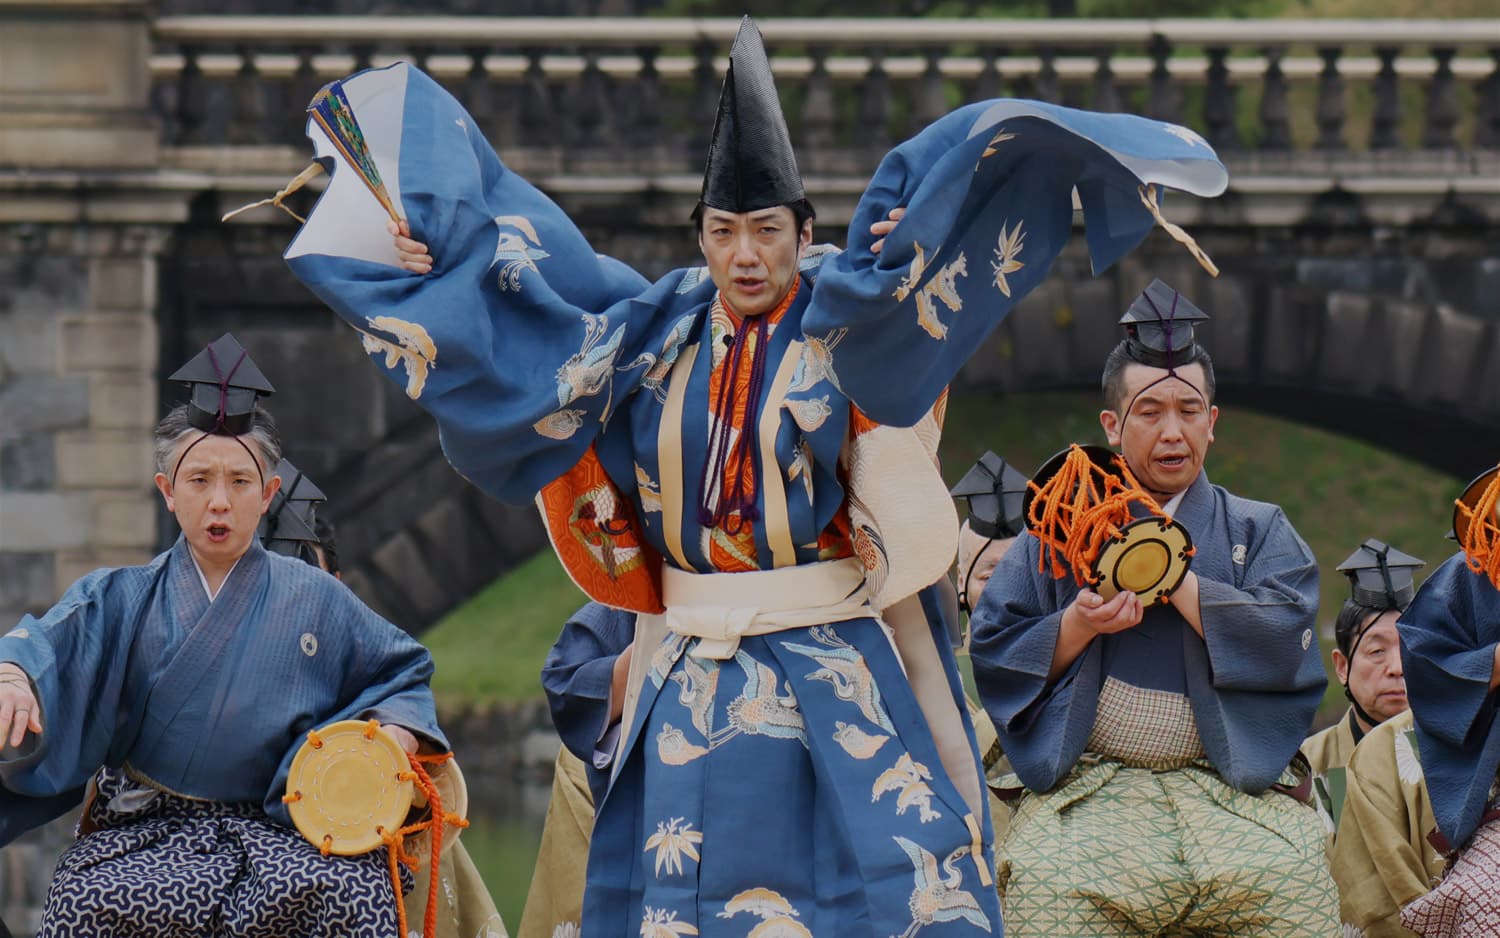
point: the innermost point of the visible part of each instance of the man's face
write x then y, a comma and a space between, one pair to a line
977, 558
1374, 676
1166, 431
218, 497
753, 256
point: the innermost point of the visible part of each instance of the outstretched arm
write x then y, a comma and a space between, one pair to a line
988, 193
492, 311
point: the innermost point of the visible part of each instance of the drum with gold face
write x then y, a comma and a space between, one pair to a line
1085, 506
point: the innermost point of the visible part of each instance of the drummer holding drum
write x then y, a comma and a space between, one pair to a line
1147, 654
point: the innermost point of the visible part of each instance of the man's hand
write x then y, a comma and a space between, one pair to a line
1087, 617
413, 254
1090, 612
403, 736
19, 710
882, 228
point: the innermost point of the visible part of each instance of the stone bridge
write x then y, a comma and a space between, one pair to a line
1358, 239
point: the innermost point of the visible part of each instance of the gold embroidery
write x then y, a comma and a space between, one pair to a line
516, 251
908, 778
810, 414
777, 915
856, 742
659, 923
1007, 248
560, 425
647, 490
673, 840
942, 288
939, 899
844, 669
1000, 137
413, 349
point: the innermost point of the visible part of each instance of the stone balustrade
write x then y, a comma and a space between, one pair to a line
644, 89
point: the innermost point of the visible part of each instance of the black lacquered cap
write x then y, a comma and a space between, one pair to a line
289, 521
1381, 576
1159, 327
225, 384
995, 491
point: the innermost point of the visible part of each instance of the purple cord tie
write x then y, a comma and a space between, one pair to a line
742, 455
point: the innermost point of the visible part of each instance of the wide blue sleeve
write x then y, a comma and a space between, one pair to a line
578, 674
1260, 633
988, 192
77, 657
521, 341
388, 676
1043, 727
1448, 639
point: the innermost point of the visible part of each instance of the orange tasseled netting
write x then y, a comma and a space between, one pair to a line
1077, 511
1481, 541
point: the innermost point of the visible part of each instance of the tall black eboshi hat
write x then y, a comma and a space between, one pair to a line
750, 161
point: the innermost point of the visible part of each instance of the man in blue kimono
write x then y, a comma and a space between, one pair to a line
1148, 740
294, 526
742, 454
1450, 644
184, 687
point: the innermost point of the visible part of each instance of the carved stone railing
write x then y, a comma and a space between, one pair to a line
639, 93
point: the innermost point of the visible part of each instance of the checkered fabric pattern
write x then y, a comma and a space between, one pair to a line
1147, 729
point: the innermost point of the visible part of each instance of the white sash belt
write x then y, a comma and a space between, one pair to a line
721, 608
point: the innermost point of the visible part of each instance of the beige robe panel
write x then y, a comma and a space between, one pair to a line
1382, 860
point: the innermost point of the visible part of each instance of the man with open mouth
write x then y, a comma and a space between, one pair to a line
178, 692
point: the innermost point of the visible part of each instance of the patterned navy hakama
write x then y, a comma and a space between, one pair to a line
163, 865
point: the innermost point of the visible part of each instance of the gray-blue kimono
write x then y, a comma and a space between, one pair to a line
1252, 684
190, 711
1448, 638
790, 775
578, 676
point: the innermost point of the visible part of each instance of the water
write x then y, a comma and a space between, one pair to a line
504, 849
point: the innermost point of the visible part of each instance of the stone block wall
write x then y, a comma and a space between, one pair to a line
78, 359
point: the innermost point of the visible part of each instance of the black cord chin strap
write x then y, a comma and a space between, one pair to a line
963, 588
1349, 665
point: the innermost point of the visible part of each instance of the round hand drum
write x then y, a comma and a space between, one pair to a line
1149, 558
349, 788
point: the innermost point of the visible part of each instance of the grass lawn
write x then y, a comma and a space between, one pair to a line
490, 649
1337, 491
